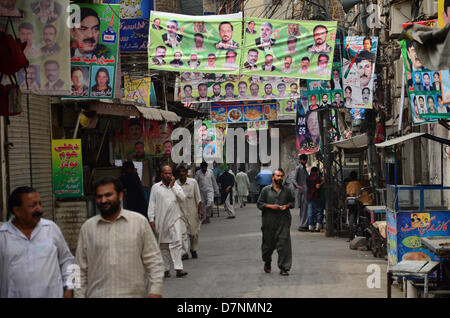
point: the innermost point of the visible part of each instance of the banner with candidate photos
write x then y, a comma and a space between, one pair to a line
184, 43
445, 87
207, 87
423, 85
257, 125
299, 49
307, 129
360, 53
138, 90
205, 135
246, 111
42, 25
94, 49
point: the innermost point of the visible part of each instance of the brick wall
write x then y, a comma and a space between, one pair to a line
173, 6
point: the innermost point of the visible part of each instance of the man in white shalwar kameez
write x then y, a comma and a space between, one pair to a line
242, 185
208, 188
191, 208
164, 214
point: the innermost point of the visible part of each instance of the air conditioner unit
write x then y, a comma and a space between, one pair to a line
400, 13
429, 8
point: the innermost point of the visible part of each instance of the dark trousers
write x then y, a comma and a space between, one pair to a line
352, 220
276, 235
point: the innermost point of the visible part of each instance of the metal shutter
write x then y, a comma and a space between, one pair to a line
19, 153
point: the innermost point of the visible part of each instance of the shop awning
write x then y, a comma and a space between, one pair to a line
410, 136
127, 110
357, 142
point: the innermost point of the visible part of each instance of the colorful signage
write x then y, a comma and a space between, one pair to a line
67, 166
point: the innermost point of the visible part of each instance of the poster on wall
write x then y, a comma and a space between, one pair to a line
203, 87
138, 90
360, 53
307, 129
134, 24
205, 146
423, 85
42, 25
299, 49
235, 112
183, 43
257, 125
67, 167
443, 13
445, 87
94, 52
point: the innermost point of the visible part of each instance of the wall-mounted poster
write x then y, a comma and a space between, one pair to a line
443, 13
94, 51
134, 24
67, 167
307, 130
42, 25
183, 43
138, 90
202, 87
205, 134
300, 49
424, 85
360, 53
235, 112
257, 125
445, 87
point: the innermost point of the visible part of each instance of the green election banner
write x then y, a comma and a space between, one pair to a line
300, 49
184, 43
67, 167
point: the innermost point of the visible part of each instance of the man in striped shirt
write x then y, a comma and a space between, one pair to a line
117, 251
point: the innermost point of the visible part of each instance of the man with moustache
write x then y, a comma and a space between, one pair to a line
226, 36
85, 38
31, 77
217, 89
8, 9
117, 251
172, 38
254, 90
52, 72
275, 201
26, 35
51, 47
35, 261
320, 45
165, 215
252, 58
242, 88
264, 42
364, 67
268, 90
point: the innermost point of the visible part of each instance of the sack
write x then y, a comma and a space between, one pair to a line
10, 99
11, 52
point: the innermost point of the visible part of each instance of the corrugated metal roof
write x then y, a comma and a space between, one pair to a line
398, 140
360, 141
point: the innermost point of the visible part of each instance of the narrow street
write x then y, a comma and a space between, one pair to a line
229, 264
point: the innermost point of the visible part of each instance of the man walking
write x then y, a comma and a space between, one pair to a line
243, 185
315, 212
34, 257
300, 183
208, 188
165, 218
264, 177
134, 192
117, 252
191, 208
226, 181
275, 201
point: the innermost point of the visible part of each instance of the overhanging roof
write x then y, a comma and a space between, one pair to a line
357, 142
410, 136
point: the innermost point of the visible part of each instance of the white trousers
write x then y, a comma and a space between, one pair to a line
228, 206
173, 251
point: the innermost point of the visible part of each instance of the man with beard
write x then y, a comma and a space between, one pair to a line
130, 264
85, 38
160, 54
325, 102
268, 90
336, 81
226, 36
172, 38
35, 260
165, 215
264, 42
313, 103
52, 73
217, 89
252, 58
291, 46
203, 93
192, 209
275, 201
226, 181
51, 47
254, 90
230, 61
268, 66
229, 91
320, 45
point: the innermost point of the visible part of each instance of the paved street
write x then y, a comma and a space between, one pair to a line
230, 265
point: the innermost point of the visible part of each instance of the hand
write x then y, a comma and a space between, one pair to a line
152, 224
172, 182
300, 187
201, 215
284, 207
154, 296
68, 293
227, 189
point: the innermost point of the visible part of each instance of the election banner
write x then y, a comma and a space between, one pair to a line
443, 13
205, 87
445, 80
94, 49
299, 49
307, 130
138, 90
257, 125
288, 106
246, 111
423, 85
184, 43
205, 140
359, 59
67, 168
42, 25
134, 24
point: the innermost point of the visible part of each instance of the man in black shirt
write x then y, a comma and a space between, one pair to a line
275, 201
134, 195
226, 181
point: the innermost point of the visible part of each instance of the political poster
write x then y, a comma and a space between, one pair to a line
42, 25
443, 13
358, 68
205, 140
184, 43
134, 24
138, 90
67, 168
423, 85
94, 49
299, 49
307, 130
246, 111
445, 83
258, 125
207, 87
288, 106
